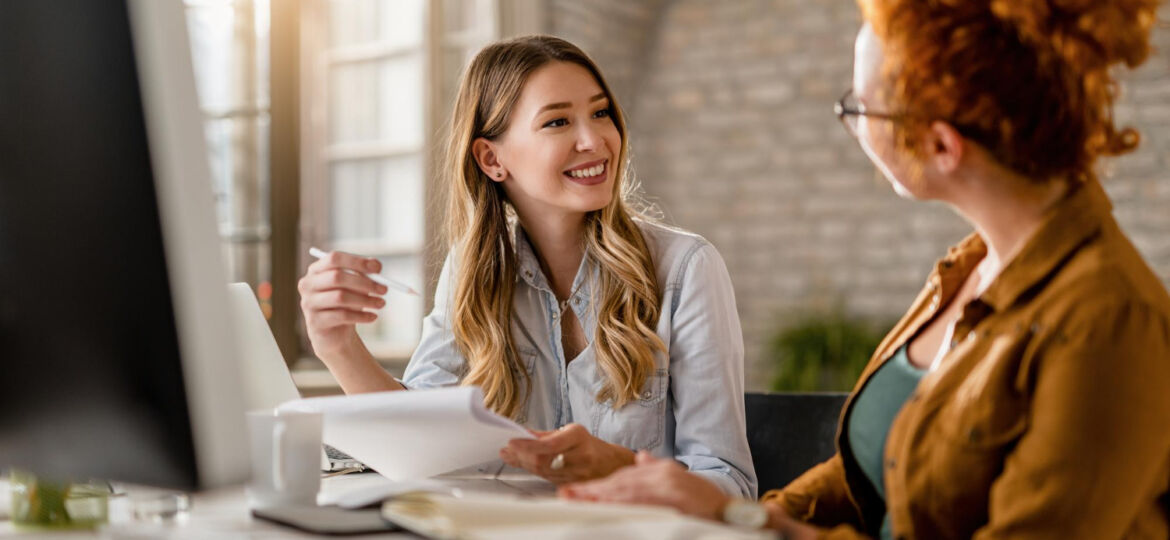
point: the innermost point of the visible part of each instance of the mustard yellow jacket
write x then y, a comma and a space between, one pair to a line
1050, 415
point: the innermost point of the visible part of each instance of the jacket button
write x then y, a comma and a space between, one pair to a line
974, 435
647, 395
891, 464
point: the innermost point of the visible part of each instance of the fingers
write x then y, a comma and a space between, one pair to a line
538, 464
509, 457
335, 296
537, 456
553, 442
330, 279
622, 487
341, 299
640, 484
332, 318
339, 259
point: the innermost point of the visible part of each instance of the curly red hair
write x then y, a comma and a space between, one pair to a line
1029, 80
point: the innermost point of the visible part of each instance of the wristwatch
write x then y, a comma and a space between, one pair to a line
745, 513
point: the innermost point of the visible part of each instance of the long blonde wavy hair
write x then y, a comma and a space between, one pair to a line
478, 228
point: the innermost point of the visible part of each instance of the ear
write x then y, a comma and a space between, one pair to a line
488, 159
944, 147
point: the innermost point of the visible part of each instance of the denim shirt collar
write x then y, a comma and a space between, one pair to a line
529, 271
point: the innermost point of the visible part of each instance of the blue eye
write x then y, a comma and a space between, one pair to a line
559, 122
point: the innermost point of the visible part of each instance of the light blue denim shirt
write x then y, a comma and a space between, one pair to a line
691, 409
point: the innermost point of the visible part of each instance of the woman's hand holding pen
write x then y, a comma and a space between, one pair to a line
569, 454
336, 294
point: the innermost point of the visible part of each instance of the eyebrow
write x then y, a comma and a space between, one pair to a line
566, 105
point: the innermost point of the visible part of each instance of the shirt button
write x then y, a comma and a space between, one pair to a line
554, 315
646, 395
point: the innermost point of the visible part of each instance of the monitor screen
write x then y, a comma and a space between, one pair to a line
92, 376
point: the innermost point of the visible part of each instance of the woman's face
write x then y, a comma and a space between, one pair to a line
876, 135
561, 144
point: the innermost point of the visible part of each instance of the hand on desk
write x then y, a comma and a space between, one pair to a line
662, 482
583, 456
665, 482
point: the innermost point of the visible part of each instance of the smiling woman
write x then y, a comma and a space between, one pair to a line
572, 311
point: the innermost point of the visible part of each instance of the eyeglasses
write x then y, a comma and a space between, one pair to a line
849, 110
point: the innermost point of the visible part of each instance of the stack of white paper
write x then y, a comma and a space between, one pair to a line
413, 434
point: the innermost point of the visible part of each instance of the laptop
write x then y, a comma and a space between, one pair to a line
267, 381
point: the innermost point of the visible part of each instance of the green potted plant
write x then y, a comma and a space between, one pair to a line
822, 352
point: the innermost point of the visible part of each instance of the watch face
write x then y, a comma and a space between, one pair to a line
745, 514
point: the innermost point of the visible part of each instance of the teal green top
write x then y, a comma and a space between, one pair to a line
873, 413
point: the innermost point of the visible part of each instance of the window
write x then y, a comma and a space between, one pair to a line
376, 81
229, 45
378, 85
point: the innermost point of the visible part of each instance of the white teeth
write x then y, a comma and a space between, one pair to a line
588, 173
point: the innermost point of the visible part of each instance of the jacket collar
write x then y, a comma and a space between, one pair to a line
1066, 227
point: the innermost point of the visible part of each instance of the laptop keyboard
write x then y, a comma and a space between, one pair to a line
342, 463
337, 455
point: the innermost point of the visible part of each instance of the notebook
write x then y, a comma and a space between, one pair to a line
267, 380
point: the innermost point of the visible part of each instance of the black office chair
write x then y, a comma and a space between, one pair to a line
790, 432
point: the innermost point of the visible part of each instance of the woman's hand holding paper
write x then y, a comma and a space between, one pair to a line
582, 456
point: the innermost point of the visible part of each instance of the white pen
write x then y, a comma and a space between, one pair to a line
378, 278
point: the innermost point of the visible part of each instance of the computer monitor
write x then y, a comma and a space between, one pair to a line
117, 358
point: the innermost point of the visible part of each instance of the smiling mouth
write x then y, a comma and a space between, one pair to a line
589, 173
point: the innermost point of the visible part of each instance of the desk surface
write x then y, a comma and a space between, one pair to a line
225, 514
214, 514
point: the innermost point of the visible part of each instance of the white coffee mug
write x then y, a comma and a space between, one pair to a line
286, 458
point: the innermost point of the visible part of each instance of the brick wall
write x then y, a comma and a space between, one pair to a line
730, 106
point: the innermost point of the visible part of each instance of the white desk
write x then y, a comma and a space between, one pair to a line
224, 514
214, 514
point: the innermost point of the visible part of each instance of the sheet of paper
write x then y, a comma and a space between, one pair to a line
413, 434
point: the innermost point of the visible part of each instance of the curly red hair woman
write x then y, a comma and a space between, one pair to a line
1024, 393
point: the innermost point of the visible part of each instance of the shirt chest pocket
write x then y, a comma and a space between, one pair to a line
986, 411
640, 424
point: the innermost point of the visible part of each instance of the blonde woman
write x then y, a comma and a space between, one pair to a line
570, 310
